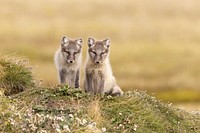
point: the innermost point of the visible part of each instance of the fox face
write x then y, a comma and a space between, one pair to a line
98, 50
71, 49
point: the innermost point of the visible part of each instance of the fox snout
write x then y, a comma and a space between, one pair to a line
70, 61
97, 62
97, 59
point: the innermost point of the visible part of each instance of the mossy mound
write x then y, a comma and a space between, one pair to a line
63, 109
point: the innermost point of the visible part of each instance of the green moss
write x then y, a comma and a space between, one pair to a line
136, 111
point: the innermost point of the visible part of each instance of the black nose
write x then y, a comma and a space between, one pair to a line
97, 62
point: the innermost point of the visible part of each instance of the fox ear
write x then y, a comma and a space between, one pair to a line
64, 41
91, 42
106, 43
79, 42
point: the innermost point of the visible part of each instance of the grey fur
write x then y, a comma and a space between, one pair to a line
62, 76
100, 82
77, 82
95, 84
68, 60
98, 73
72, 77
88, 82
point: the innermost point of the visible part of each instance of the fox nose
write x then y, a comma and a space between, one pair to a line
97, 62
71, 61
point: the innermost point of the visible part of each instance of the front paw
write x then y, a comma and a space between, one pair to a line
77, 86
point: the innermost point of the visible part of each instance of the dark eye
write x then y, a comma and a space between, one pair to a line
93, 52
103, 53
76, 52
67, 52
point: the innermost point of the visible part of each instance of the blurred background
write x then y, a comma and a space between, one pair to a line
155, 44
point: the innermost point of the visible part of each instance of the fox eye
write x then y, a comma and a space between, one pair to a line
67, 52
76, 52
93, 52
103, 53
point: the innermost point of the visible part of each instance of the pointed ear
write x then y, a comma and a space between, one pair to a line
79, 42
106, 43
64, 41
91, 42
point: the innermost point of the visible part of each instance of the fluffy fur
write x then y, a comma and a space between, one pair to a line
98, 73
68, 61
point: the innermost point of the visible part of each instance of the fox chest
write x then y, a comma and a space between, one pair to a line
96, 72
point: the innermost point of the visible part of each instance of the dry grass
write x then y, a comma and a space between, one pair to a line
62, 109
16, 75
94, 110
155, 44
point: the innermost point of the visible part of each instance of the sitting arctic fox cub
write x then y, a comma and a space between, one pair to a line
68, 60
98, 73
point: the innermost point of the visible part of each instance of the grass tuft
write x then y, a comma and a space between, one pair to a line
15, 75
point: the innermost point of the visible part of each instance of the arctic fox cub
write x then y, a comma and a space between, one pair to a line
98, 73
68, 60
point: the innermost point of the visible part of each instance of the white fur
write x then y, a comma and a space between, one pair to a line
65, 40
105, 67
91, 42
107, 43
61, 63
79, 41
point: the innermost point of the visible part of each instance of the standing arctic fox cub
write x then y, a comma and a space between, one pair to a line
68, 60
98, 73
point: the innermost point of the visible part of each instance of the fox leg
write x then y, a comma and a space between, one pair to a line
88, 83
62, 76
100, 83
95, 85
71, 76
77, 83
85, 85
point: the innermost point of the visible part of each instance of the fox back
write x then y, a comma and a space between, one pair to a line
67, 60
